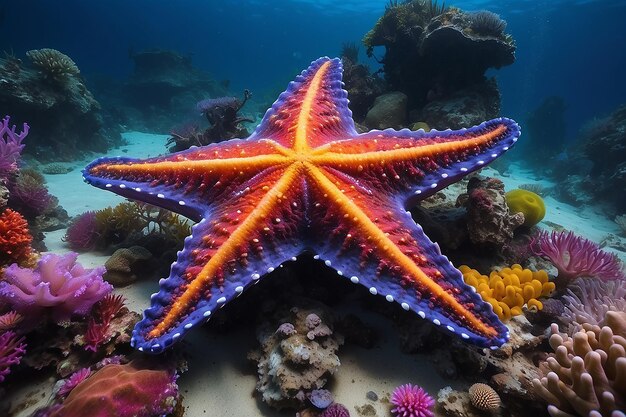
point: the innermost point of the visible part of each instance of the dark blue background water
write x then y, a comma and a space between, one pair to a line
574, 51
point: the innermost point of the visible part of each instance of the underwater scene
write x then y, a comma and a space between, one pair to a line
312, 208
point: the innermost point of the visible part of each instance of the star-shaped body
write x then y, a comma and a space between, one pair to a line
305, 180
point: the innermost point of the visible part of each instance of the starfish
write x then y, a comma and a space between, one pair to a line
305, 180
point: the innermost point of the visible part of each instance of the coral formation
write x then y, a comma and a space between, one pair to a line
126, 264
12, 348
72, 381
388, 111
29, 195
128, 390
15, 238
58, 286
508, 290
82, 234
52, 63
528, 203
362, 87
587, 372
335, 410
483, 397
489, 220
574, 256
10, 320
297, 355
411, 401
487, 23
10, 147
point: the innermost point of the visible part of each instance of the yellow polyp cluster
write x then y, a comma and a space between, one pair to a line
510, 289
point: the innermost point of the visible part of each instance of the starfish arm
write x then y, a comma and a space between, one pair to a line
417, 164
183, 182
312, 111
372, 240
229, 250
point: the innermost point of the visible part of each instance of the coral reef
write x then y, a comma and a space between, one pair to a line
52, 63
10, 147
426, 45
297, 355
15, 238
587, 372
483, 397
411, 401
509, 290
531, 205
489, 220
29, 195
64, 117
58, 286
335, 410
82, 234
12, 348
125, 390
72, 381
224, 123
574, 256
362, 87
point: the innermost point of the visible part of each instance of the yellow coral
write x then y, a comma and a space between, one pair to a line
527, 203
510, 289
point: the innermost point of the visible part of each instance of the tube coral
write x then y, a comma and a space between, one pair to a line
574, 256
10, 147
12, 349
58, 286
15, 239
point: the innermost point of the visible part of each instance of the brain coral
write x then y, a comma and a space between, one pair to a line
130, 390
510, 289
15, 239
531, 205
587, 374
58, 286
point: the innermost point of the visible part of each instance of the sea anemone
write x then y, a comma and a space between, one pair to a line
82, 234
58, 286
412, 401
10, 320
72, 381
574, 256
12, 349
483, 397
487, 23
335, 410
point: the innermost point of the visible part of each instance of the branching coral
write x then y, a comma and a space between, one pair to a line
574, 256
58, 286
82, 234
587, 371
12, 349
98, 324
52, 63
510, 289
29, 195
588, 301
15, 239
10, 147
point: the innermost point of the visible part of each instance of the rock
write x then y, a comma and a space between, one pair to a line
388, 111
125, 265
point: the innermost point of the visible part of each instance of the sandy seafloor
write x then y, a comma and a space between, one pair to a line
218, 382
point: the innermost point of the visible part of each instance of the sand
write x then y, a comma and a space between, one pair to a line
220, 381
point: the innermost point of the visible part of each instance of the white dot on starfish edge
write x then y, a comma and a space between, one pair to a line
421, 314
138, 190
506, 148
494, 155
433, 185
156, 346
122, 185
418, 192
373, 291
463, 169
327, 262
206, 313
339, 272
514, 140
444, 175
389, 298
493, 347
481, 162
293, 258
239, 289
188, 326
405, 306
270, 269
450, 328
181, 203
109, 185
140, 349
437, 322
160, 195
176, 336
464, 336
221, 300
256, 276
316, 257
354, 279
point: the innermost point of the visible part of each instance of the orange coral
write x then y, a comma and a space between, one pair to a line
15, 239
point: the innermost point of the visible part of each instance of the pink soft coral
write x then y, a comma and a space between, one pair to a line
12, 349
58, 286
574, 256
412, 401
10, 147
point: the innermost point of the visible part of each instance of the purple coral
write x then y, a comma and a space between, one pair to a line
412, 401
58, 286
12, 349
10, 147
335, 410
83, 232
70, 383
574, 256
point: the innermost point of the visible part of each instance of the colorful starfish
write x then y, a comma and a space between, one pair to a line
306, 180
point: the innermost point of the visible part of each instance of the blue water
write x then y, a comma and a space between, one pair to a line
573, 49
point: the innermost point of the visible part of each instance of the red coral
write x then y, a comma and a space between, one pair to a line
98, 325
15, 239
83, 232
